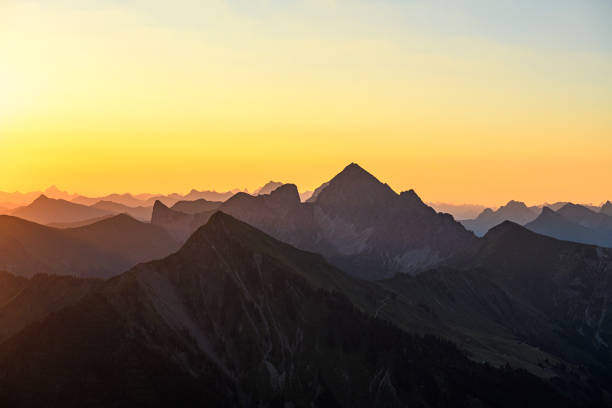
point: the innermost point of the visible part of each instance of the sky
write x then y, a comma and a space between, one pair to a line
465, 101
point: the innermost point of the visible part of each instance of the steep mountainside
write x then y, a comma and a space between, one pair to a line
514, 211
236, 318
25, 301
46, 210
377, 233
567, 282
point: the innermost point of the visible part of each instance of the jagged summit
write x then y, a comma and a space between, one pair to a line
411, 196
515, 204
606, 208
287, 193
268, 188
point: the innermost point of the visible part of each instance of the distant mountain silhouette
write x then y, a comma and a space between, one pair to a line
101, 249
559, 204
267, 188
237, 318
587, 218
555, 225
127, 238
514, 211
64, 225
606, 209
141, 213
458, 211
209, 195
17, 199
358, 223
196, 206
56, 193
46, 210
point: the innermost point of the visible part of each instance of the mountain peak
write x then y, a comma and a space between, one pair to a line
355, 170
515, 204
287, 193
411, 196
547, 211
268, 188
506, 228
606, 208
158, 205
41, 198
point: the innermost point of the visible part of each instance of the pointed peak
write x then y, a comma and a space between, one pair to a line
158, 205
41, 198
411, 195
547, 210
354, 169
355, 176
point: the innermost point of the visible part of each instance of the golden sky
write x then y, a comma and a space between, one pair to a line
470, 101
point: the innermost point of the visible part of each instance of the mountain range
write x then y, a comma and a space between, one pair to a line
514, 211
101, 249
574, 223
358, 223
237, 318
359, 296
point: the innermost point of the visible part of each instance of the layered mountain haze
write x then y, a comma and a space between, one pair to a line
267, 188
76, 224
458, 211
140, 212
209, 195
514, 211
355, 221
236, 318
586, 217
359, 296
101, 249
556, 225
46, 210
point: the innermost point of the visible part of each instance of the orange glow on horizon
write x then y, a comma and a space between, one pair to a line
108, 99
